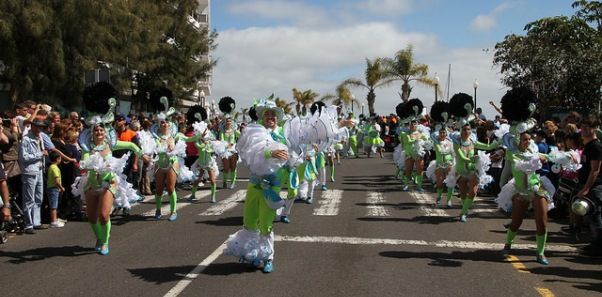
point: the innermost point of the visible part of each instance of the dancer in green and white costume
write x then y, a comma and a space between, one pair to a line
168, 166
229, 135
372, 141
205, 164
439, 168
526, 188
415, 142
264, 155
352, 143
104, 185
471, 167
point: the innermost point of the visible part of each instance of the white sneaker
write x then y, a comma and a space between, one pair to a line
57, 224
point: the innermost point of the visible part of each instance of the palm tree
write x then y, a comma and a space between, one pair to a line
402, 68
343, 97
244, 112
286, 106
303, 100
374, 78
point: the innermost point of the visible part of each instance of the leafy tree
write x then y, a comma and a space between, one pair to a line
48, 45
303, 100
373, 78
286, 106
343, 97
402, 67
560, 58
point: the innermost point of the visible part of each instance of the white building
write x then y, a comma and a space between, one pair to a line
201, 19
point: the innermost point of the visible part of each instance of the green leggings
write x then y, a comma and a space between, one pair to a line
257, 215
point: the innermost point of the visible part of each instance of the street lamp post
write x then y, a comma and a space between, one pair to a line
475, 85
362, 108
352, 102
436, 86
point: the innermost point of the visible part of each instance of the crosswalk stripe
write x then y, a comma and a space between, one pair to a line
474, 245
375, 210
329, 203
225, 205
427, 201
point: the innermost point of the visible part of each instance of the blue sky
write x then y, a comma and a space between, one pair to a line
270, 46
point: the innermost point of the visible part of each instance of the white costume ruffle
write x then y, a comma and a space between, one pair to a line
504, 198
147, 142
399, 157
250, 246
252, 145
125, 193
179, 151
430, 170
482, 166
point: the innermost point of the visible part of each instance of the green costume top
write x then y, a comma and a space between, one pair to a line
95, 179
443, 153
166, 143
466, 155
526, 184
229, 136
407, 142
205, 153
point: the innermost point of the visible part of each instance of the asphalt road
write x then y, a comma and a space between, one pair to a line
362, 237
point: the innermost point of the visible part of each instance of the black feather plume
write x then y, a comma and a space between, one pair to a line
155, 98
437, 111
317, 106
399, 109
515, 104
96, 97
226, 104
253, 113
192, 111
457, 103
411, 108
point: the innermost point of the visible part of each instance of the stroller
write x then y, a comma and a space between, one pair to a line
16, 224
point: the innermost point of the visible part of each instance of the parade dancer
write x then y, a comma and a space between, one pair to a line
103, 185
352, 143
372, 141
526, 188
264, 156
415, 142
308, 173
170, 147
229, 135
471, 167
439, 168
205, 164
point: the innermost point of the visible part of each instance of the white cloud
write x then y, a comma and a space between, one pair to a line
297, 12
255, 62
485, 22
388, 6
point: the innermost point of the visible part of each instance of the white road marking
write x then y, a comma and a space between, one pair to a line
165, 208
225, 205
329, 203
440, 243
427, 205
375, 210
181, 285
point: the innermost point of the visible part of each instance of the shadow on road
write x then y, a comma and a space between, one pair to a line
159, 275
453, 259
45, 253
228, 269
229, 221
568, 273
434, 220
